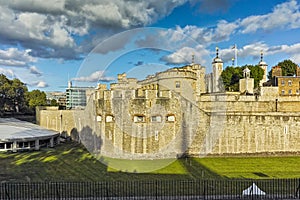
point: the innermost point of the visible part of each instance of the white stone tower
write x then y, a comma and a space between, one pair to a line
217, 66
246, 84
262, 64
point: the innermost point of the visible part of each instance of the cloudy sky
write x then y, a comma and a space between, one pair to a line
47, 43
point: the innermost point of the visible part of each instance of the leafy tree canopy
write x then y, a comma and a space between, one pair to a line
12, 94
288, 68
232, 75
36, 98
53, 102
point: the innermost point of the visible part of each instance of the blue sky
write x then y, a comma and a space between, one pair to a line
47, 43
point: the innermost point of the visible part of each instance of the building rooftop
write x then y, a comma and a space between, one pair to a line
13, 129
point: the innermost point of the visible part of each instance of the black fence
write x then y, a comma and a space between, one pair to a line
158, 189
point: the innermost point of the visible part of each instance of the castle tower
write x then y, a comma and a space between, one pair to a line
264, 66
246, 84
200, 71
246, 72
217, 66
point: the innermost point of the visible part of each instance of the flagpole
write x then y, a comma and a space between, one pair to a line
235, 54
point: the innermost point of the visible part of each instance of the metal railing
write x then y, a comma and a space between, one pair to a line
156, 189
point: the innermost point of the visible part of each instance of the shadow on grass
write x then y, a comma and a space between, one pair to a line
72, 162
197, 170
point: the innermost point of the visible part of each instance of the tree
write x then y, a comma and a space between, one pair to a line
12, 94
256, 72
36, 98
232, 75
4, 85
53, 102
288, 68
19, 91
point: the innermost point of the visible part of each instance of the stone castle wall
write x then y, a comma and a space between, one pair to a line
250, 132
171, 114
217, 124
58, 120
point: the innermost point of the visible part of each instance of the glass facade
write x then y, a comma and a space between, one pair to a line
76, 98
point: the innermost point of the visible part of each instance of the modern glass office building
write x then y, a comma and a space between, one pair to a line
77, 96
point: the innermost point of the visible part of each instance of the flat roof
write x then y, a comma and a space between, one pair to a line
13, 129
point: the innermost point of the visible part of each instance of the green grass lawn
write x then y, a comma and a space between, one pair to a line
254, 167
72, 162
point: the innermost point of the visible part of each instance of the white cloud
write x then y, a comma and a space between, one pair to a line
243, 52
49, 29
253, 50
184, 55
9, 73
291, 50
94, 77
39, 84
42, 84
285, 15
16, 57
34, 70
204, 36
12, 63
192, 38
38, 6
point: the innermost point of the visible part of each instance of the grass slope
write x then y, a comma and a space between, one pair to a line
72, 162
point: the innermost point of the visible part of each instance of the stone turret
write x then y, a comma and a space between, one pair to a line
217, 66
262, 64
247, 83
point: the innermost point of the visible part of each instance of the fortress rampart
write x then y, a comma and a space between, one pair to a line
216, 124
176, 112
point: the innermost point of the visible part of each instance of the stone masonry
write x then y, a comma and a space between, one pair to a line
172, 113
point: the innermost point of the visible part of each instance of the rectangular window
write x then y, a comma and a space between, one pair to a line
282, 82
156, 118
177, 84
282, 92
290, 83
9, 145
109, 118
139, 118
170, 118
290, 92
297, 91
99, 118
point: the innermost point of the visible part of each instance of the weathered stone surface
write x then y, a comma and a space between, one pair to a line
170, 114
